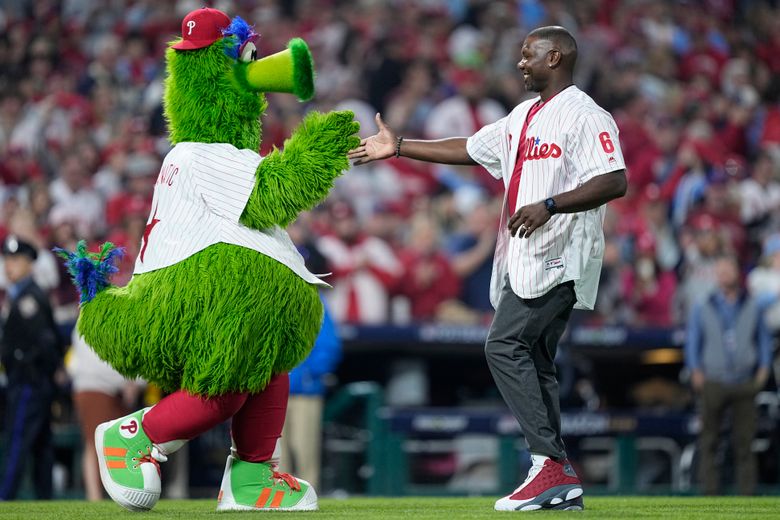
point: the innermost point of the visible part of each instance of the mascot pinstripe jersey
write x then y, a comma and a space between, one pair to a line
199, 196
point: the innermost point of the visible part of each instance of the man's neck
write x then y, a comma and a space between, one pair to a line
553, 89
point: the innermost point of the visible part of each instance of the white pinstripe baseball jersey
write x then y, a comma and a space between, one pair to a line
570, 140
199, 196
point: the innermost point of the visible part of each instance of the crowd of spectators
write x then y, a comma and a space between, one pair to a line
693, 85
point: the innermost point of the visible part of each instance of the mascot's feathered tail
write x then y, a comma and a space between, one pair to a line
91, 272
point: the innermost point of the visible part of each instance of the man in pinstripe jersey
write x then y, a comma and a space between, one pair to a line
560, 159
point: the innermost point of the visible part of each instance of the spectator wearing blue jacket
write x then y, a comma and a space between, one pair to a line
302, 435
728, 352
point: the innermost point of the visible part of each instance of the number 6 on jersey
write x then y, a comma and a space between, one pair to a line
606, 142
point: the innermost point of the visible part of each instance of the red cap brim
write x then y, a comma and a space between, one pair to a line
189, 45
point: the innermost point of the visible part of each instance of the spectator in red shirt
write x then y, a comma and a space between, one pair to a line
648, 290
654, 161
721, 202
140, 172
18, 167
769, 49
128, 235
703, 58
364, 269
654, 221
429, 279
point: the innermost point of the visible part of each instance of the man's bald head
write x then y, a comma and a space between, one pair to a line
560, 40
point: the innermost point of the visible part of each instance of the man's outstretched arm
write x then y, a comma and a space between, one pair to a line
384, 144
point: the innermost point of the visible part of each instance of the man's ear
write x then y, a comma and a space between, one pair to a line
554, 58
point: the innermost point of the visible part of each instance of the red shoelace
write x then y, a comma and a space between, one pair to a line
147, 458
288, 479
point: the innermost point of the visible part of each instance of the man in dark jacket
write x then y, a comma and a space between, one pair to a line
31, 353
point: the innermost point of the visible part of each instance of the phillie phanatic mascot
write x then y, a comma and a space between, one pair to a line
220, 306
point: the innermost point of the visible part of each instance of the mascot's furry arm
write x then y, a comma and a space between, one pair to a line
301, 175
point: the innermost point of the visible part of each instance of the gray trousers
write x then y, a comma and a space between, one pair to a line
716, 398
520, 352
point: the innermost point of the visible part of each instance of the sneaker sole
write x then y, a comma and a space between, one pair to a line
575, 504
131, 499
226, 508
560, 497
307, 503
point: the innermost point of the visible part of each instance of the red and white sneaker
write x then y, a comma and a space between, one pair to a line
549, 485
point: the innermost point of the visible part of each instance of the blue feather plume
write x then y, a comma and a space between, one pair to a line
242, 31
91, 272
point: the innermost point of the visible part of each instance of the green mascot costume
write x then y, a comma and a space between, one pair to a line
220, 306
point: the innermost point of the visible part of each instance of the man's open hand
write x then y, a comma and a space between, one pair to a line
376, 147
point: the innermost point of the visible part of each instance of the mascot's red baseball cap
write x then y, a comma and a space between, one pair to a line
201, 28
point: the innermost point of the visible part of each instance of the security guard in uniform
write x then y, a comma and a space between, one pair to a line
31, 352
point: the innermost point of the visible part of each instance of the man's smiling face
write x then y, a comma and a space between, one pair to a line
534, 63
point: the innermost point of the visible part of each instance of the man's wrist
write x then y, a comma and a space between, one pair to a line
550, 205
398, 141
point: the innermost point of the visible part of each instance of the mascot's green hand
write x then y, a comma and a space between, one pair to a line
335, 133
344, 123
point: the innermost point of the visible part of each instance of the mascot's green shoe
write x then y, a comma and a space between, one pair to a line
129, 462
258, 486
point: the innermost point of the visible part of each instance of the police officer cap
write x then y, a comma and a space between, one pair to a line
13, 245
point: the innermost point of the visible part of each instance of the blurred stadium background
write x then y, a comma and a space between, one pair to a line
411, 408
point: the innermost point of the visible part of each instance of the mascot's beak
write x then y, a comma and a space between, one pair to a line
291, 71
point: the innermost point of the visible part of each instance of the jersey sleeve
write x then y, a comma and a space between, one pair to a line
485, 146
596, 147
224, 177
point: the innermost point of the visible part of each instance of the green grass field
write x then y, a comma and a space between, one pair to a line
416, 508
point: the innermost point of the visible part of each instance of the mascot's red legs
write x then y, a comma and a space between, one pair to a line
256, 426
